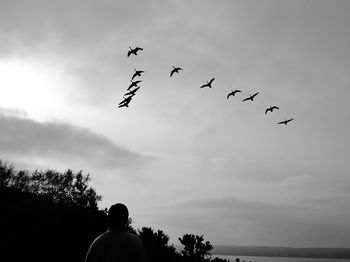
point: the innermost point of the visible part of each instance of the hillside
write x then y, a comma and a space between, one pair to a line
281, 251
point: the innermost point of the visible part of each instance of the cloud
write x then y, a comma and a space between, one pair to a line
234, 221
12, 112
73, 21
61, 143
87, 38
289, 51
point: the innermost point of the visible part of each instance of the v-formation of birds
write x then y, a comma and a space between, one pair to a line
134, 87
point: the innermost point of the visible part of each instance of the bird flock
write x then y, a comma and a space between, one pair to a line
134, 87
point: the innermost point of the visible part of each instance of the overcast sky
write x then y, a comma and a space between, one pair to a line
182, 158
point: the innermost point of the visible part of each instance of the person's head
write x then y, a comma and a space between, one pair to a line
118, 215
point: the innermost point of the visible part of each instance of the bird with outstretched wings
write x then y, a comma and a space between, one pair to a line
134, 51
285, 122
132, 92
133, 83
208, 84
251, 97
175, 70
271, 108
126, 101
233, 93
137, 73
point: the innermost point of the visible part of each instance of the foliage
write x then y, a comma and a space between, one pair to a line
47, 215
53, 216
195, 248
66, 188
6, 174
156, 245
35, 228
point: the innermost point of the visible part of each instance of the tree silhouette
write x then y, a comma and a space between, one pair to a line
47, 215
67, 188
195, 249
6, 174
156, 245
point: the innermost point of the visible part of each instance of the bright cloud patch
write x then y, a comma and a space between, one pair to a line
61, 143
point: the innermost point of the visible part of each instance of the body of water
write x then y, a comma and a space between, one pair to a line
280, 259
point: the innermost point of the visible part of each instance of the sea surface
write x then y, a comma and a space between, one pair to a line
280, 259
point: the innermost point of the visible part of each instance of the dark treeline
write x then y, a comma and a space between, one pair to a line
54, 216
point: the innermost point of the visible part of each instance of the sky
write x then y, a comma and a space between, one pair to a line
185, 159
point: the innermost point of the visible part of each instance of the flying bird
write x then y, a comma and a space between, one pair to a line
124, 105
132, 92
251, 97
285, 121
208, 84
133, 83
134, 51
233, 93
175, 70
137, 73
125, 102
271, 108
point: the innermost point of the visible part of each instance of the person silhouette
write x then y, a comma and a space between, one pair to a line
116, 244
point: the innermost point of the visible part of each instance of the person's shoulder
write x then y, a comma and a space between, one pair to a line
101, 238
132, 236
118, 235
103, 235
131, 239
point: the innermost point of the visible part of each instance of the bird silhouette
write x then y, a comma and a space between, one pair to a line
233, 93
132, 92
175, 70
271, 108
137, 73
285, 121
124, 105
133, 83
126, 101
134, 51
251, 97
208, 84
